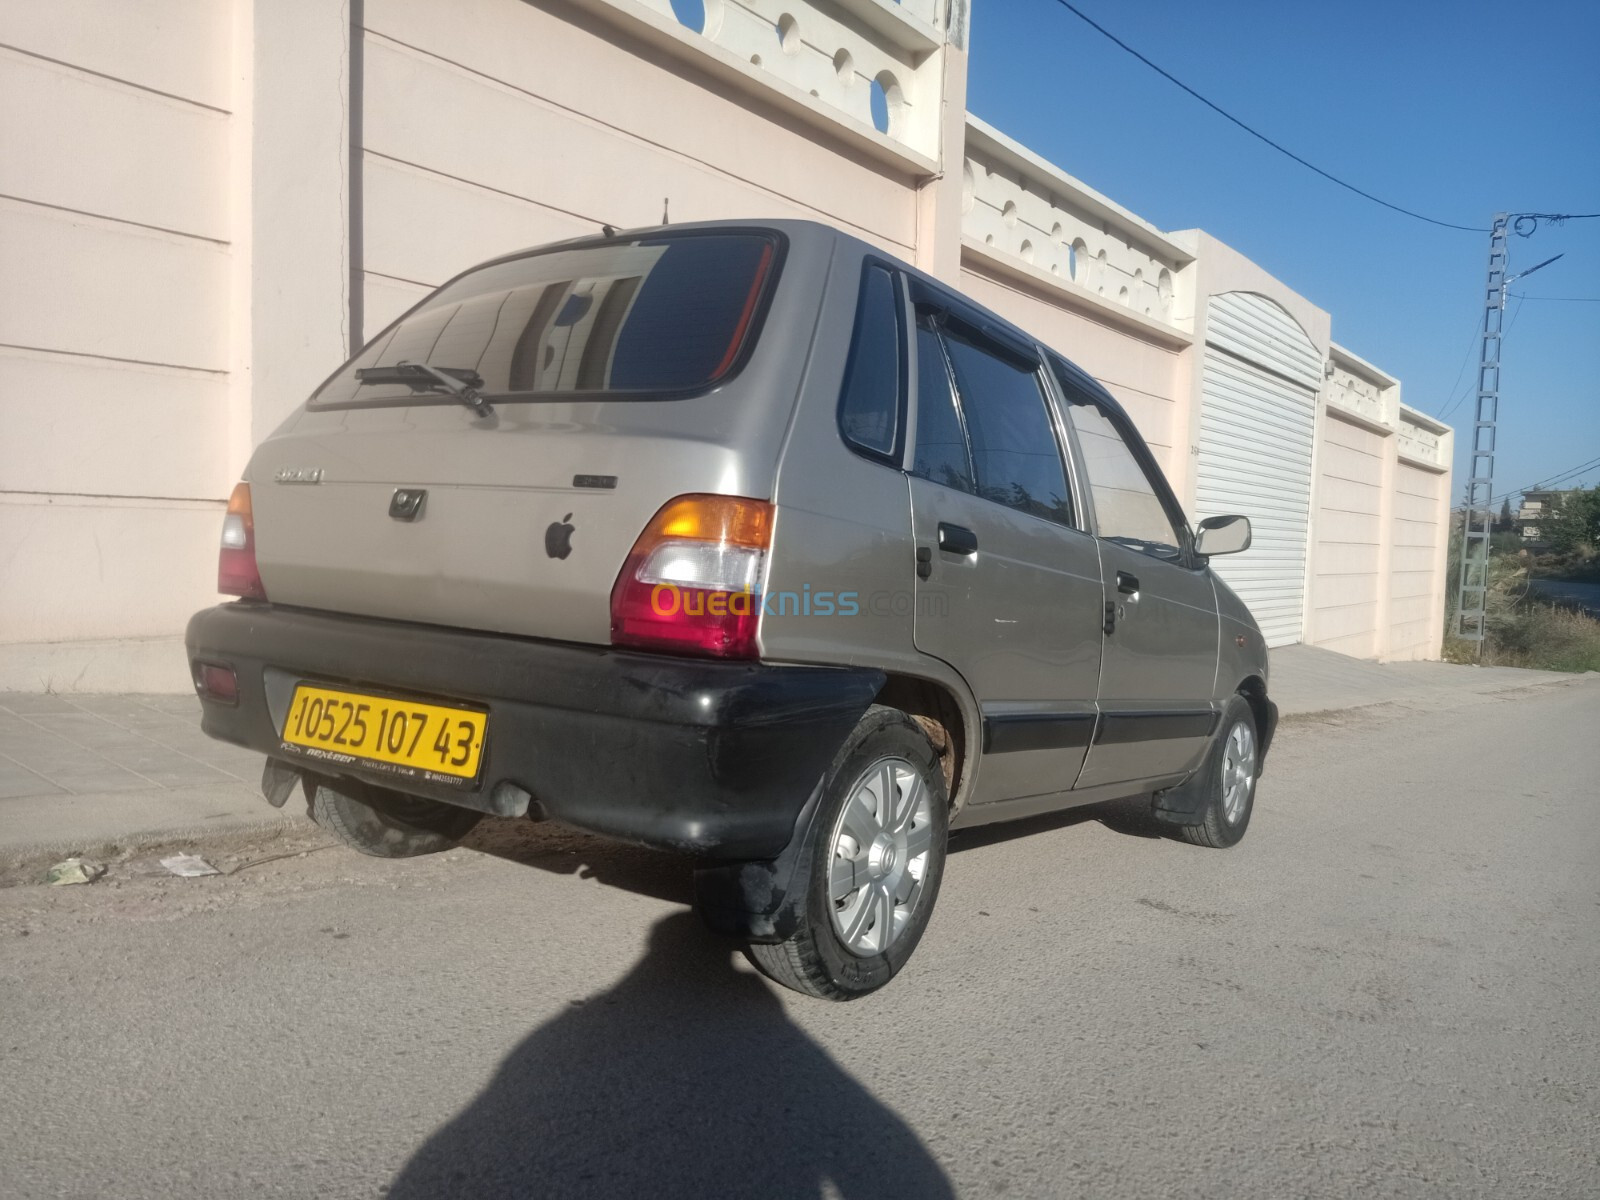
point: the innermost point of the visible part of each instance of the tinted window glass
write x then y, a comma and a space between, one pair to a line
869, 406
1014, 453
658, 314
1126, 504
941, 442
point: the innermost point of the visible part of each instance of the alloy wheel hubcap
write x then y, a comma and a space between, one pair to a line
1238, 771
878, 856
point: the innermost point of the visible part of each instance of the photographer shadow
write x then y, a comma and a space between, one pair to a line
686, 1078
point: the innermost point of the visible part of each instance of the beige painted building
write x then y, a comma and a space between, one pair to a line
206, 204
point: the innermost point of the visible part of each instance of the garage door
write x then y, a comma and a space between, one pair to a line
1258, 409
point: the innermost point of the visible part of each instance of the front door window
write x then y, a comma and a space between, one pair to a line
1126, 504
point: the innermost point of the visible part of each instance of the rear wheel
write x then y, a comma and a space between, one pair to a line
875, 862
388, 824
1232, 766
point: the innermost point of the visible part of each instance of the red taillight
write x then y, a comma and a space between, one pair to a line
237, 574
692, 582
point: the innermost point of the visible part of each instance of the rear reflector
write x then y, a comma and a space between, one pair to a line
692, 583
215, 682
237, 574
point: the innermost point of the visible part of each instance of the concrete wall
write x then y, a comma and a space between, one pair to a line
1420, 525
116, 235
1347, 573
1382, 502
204, 204
485, 130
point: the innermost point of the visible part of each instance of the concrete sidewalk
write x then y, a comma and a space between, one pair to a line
83, 770
1305, 679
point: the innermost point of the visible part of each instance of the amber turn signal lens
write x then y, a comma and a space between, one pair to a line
730, 520
237, 573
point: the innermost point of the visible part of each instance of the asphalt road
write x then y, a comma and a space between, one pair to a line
1390, 989
1571, 592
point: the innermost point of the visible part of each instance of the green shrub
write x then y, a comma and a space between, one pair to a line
1574, 525
1522, 631
1544, 636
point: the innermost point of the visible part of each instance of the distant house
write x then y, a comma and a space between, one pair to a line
1536, 506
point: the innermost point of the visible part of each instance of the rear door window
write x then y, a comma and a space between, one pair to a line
665, 315
942, 453
1015, 458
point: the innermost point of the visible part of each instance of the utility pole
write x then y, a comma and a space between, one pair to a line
1478, 522
1473, 591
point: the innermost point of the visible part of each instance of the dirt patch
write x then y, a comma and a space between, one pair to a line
229, 852
1322, 716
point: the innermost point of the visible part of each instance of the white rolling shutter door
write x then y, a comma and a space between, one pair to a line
1257, 419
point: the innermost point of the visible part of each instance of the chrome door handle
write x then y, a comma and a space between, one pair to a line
1127, 584
957, 539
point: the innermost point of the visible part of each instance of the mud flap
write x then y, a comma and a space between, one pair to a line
277, 782
761, 901
1183, 805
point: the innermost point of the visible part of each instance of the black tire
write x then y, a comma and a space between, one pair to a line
387, 824
815, 960
1216, 829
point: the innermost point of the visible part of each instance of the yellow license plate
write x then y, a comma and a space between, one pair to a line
404, 737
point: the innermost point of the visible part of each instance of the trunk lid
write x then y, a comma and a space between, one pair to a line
517, 531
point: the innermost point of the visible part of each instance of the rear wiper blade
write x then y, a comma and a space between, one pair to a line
461, 382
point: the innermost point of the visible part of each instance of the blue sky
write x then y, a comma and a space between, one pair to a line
1454, 110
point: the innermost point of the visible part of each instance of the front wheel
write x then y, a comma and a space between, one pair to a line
1232, 766
876, 857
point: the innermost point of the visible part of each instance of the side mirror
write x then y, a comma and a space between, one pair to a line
1222, 535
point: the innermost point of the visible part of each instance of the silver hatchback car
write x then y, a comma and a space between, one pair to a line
743, 540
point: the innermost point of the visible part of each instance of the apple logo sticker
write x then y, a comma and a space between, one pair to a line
558, 538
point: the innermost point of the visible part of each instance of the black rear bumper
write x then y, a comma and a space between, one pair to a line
710, 758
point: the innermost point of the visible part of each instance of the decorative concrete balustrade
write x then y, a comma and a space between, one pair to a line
1017, 204
1358, 389
872, 60
1422, 439
1361, 389
1354, 388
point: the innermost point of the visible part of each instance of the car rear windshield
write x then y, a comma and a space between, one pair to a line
661, 316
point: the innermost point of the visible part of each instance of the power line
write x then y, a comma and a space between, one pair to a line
1564, 476
1512, 324
1452, 399
1533, 220
1543, 484
1255, 133
1565, 299
1517, 219
1456, 403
